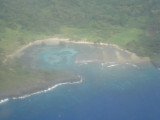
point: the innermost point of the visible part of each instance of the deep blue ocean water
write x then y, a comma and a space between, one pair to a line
122, 92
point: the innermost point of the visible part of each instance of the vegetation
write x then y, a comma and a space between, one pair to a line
131, 24
17, 79
126, 23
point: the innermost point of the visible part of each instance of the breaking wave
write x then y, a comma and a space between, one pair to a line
42, 91
4, 100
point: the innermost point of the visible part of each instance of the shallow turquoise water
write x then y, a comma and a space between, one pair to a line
122, 92
57, 58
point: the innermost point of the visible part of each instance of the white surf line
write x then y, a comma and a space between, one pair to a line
49, 89
112, 65
133, 65
4, 100
86, 61
103, 64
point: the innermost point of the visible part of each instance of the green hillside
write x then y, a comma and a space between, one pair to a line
131, 24
127, 23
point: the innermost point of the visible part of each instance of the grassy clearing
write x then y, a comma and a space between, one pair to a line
115, 35
11, 40
126, 36
80, 33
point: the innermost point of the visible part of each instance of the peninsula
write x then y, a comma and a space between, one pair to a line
131, 28
20, 80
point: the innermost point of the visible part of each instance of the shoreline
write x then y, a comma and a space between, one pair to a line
57, 41
49, 41
133, 55
41, 91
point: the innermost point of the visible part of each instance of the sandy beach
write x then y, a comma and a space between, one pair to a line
85, 57
57, 41
49, 41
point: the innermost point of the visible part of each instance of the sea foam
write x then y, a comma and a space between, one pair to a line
112, 65
4, 100
86, 61
133, 65
42, 91
48, 89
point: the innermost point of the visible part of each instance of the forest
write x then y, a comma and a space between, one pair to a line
134, 24
79, 59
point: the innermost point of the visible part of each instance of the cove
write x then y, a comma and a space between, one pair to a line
114, 86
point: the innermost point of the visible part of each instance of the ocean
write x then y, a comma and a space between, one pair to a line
108, 91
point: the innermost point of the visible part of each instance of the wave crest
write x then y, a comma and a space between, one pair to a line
48, 89
4, 100
42, 91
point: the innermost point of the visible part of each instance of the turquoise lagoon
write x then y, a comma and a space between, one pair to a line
110, 90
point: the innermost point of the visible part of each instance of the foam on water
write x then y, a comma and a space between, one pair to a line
123, 93
86, 61
42, 91
49, 89
112, 65
133, 65
4, 100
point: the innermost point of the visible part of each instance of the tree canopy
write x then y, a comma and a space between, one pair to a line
133, 24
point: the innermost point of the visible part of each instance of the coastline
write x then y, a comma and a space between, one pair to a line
134, 57
57, 41
49, 41
41, 91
